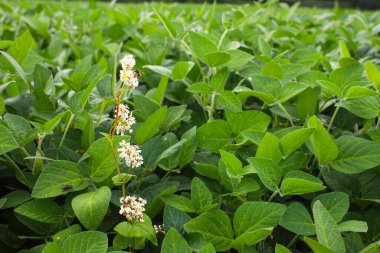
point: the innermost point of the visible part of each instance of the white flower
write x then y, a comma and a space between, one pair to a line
159, 229
125, 120
128, 62
129, 78
131, 154
132, 208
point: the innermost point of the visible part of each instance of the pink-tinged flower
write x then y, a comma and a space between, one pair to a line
125, 120
131, 154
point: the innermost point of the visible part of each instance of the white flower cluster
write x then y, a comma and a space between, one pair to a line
125, 120
159, 229
127, 75
131, 154
132, 208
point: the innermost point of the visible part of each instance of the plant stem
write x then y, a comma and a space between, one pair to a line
333, 118
72, 116
291, 243
211, 108
274, 194
222, 38
286, 113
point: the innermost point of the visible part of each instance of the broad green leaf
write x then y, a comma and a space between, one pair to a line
14, 199
364, 107
151, 126
161, 89
254, 221
200, 87
306, 104
42, 210
219, 79
91, 207
175, 218
202, 45
356, 155
316, 246
61, 236
297, 183
269, 148
52, 247
20, 128
230, 101
7, 141
86, 242
294, 140
163, 71
233, 164
181, 69
180, 202
167, 24
327, 229
373, 74
217, 58
344, 52
138, 229
290, 90
174, 242
57, 175
273, 69
336, 203
298, 220
189, 147
322, 143
264, 47
248, 120
200, 194
358, 92
214, 135
330, 87
371, 248
281, 249
266, 88
215, 227
2, 105
208, 248
269, 172
353, 226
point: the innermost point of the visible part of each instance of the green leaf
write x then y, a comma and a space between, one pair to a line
230, 101
61, 236
181, 69
290, 90
294, 140
151, 126
371, 248
123, 178
254, 221
200, 87
269, 148
52, 247
356, 155
322, 143
2, 105
101, 163
42, 210
327, 229
248, 120
364, 107
336, 203
219, 79
358, 92
174, 242
281, 249
316, 246
175, 218
214, 135
373, 74
86, 242
167, 24
163, 71
56, 176
353, 226
269, 172
215, 227
344, 52
298, 220
233, 165
330, 88
306, 103
298, 183
264, 47
7, 142
179, 202
273, 69
17, 67
200, 195
217, 58
14, 199
91, 207
161, 89
208, 248
138, 229
202, 45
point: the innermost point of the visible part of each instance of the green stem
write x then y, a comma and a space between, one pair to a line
67, 128
211, 108
101, 112
222, 38
333, 118
286, 113
274, 194
378, 122
291, 243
